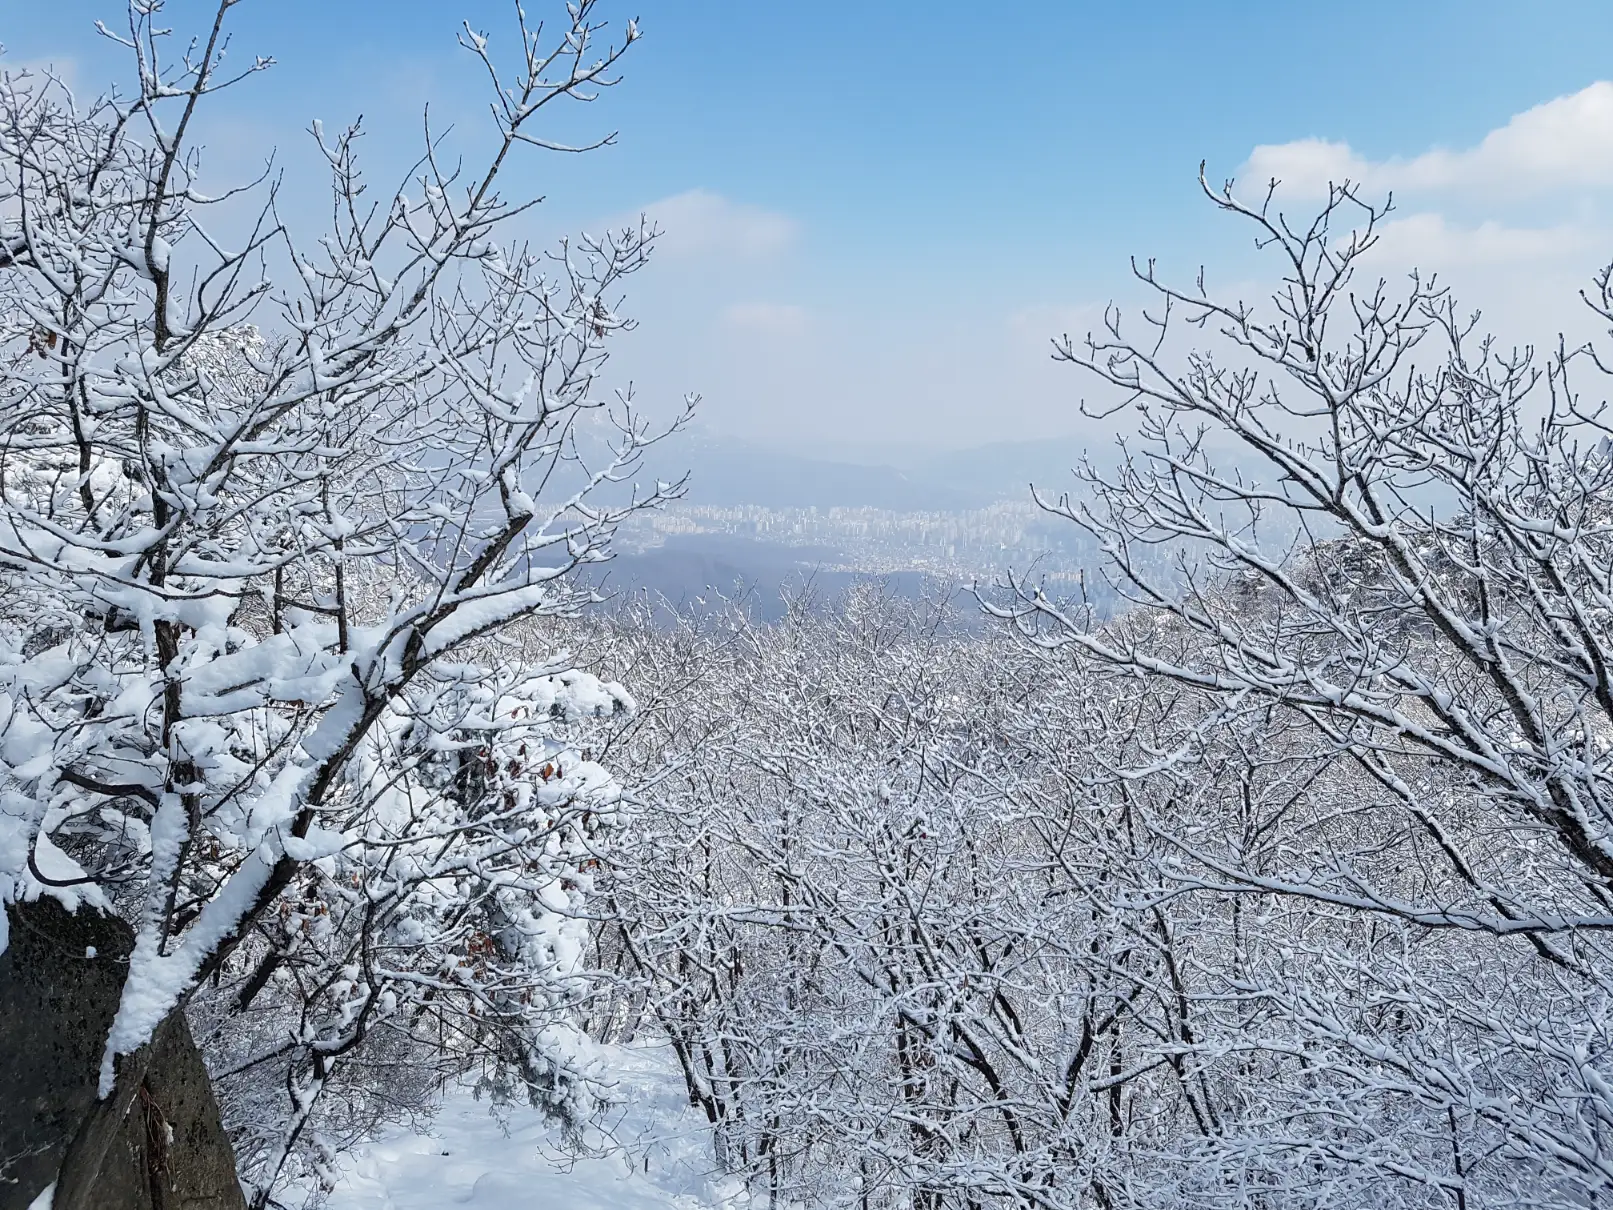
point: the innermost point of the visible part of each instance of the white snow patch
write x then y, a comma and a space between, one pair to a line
469, 1158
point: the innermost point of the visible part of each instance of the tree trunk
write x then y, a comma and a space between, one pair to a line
157, 1142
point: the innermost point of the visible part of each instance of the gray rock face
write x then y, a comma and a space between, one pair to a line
56, 1004
158, 1144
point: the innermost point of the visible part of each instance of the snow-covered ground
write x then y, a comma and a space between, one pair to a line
471, 1158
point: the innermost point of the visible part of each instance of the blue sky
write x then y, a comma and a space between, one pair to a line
877, 214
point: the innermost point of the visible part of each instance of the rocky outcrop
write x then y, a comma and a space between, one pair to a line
158, 1144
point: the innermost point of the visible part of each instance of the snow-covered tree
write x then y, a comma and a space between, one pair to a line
1393, 594
1286, 886
875, 898
266, 507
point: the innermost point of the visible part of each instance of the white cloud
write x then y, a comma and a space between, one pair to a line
1305, 167
700, 224
1430, 239
1563, 143
768, 319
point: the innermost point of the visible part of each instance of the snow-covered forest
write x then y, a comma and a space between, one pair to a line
1287, 881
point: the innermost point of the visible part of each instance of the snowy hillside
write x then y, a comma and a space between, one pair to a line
472, 1158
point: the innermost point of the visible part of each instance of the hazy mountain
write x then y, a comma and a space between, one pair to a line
926, 517
1006, 469
689, 569
725, 471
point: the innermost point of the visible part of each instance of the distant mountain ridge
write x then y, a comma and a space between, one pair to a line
934, 520
694, 569
724, 471
727, 472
